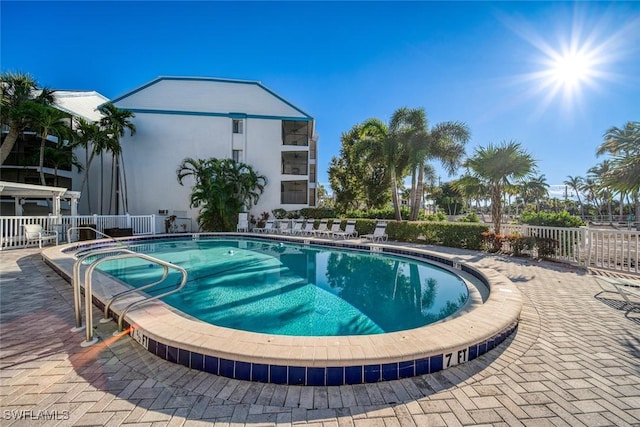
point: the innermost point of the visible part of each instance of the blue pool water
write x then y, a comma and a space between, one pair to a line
302, 290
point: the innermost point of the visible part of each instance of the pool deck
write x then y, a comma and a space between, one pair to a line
574, 360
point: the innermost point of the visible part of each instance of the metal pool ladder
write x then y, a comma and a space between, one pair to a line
88, 294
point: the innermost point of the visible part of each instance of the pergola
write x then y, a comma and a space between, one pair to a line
21, 191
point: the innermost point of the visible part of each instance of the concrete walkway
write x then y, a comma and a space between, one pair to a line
575, 360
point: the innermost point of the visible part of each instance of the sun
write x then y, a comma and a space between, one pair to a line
571, 69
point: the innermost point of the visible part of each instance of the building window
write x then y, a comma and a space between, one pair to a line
294, 162
236, 155
293, 192
312, 197
237, 125
295, 133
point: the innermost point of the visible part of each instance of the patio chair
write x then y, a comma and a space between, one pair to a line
308, 228
349, 231
335, 228
297, 227
268, 227
243, 222
35, 233
378, 234
322, 228
631, 296
283, 227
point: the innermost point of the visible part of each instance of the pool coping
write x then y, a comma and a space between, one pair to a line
313, 360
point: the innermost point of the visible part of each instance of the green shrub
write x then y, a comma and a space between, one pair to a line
471, 217
492, 242
519, 243
317, 213
279, 213
451, 234
546, 247
551, 219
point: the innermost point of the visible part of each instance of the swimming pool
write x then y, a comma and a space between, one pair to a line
479, 326
296, 289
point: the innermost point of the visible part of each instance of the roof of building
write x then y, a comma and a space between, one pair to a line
80, 103
209, 97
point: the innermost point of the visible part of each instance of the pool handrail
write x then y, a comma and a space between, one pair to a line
88, 294
84, 227
75, 282
107, 306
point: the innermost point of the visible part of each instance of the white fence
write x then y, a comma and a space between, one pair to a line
587, 246
12, 230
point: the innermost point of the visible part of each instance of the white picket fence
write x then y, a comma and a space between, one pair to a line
587, 246
12, 230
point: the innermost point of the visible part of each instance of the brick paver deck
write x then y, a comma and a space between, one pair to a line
575, 360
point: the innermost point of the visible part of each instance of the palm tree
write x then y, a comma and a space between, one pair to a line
498, 166
46, 121
222, 188
575, 183
389, 145
472, 188
600, 189
17, 89
61, 157
624, 147
116, 122
534, 189
95, 141
445, 142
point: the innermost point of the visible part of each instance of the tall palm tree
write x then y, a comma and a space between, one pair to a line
389, 145
445, 142
116, 122
499, 165
624, 147
600, 190
46, 121
575, 183
16, 90
61, 157
533, 189
95, 141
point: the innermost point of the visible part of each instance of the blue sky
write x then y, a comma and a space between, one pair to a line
553, 76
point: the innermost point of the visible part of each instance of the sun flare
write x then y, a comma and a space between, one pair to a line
571, 69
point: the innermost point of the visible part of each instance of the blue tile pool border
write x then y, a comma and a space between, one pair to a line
323, 376
310, 375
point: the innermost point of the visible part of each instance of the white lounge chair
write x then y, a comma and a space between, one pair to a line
322, 228
335, 228
297, 227
283, 227
349, 231
378, 234
308, 229
243, 222
268, 227
35, 233
631, 296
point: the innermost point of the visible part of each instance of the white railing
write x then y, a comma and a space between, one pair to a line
613, 249
570, 241
587, 246
12, 230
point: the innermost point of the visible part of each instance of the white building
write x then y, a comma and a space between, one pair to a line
180, 117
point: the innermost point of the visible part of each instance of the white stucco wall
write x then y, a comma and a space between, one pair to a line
179, 118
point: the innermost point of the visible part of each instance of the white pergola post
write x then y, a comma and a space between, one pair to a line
18, 206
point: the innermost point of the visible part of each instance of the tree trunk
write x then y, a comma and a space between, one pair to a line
496, 208
394, 194
413, 197
419, 193
41, 163
8, 143
125, 194
86, 178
